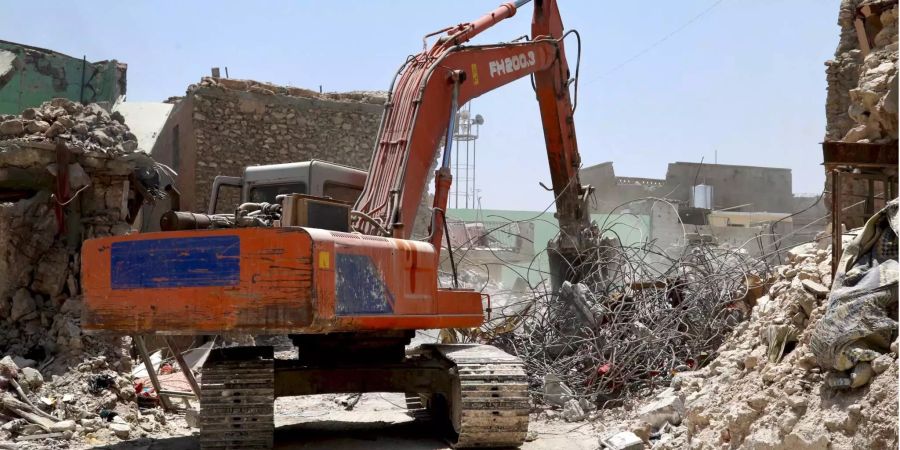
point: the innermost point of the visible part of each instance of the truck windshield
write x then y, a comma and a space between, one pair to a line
268, 192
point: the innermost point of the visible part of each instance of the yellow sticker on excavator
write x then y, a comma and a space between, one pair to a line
324, 260
475, 74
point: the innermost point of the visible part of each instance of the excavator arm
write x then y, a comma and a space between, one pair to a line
420, 113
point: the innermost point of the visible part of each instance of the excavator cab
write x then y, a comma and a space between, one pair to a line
266, 182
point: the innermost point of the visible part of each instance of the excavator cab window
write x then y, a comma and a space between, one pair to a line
268, 192
341, 191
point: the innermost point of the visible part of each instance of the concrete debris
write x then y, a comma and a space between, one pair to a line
624, 440
121, 430
89, 128
49, 363
572, 411
32, 378
555, 391
741, 399
816, 289
666, 407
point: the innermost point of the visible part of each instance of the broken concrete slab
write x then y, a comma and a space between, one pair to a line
555, 391
624, 440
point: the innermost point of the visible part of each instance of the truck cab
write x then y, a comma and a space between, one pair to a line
264, 183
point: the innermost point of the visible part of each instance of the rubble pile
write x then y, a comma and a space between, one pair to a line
766, 390
87, 127
616, 334
42, 224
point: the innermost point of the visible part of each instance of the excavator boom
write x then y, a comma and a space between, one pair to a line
422, 103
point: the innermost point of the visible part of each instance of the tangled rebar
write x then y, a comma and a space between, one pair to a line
642, 314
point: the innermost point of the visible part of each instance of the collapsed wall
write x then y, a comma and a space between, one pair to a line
66, 175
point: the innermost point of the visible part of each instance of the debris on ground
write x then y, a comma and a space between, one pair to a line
765, 388
69, 172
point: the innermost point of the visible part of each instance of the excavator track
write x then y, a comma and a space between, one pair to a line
237, 399
488, 403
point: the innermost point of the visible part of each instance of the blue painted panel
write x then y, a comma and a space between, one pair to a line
360, 287
177, 262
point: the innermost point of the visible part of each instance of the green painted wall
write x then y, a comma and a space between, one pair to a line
628, 228
36, 75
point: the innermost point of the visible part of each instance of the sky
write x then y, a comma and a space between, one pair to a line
737, 81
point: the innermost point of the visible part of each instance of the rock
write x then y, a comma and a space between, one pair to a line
8, 368
624, 440
65, 121
12, 127
667, 407
65, 425
572, 411
37, 126
815, 288
861, 374
80, 128
23, 305
55, 130
121, 430
817, 441
29, 114
894, 346
102, 138
882, 363
32, 377
555, 391
750, 362
758, 402
91, 424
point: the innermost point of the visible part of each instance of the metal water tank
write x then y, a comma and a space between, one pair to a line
703, 196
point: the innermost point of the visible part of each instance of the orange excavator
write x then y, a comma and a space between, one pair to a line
347, 284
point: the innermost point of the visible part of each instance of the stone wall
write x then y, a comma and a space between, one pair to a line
862, 88
861, 105
240, 123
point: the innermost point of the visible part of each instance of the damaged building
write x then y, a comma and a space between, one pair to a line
223, 125
728, 204
30, 76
